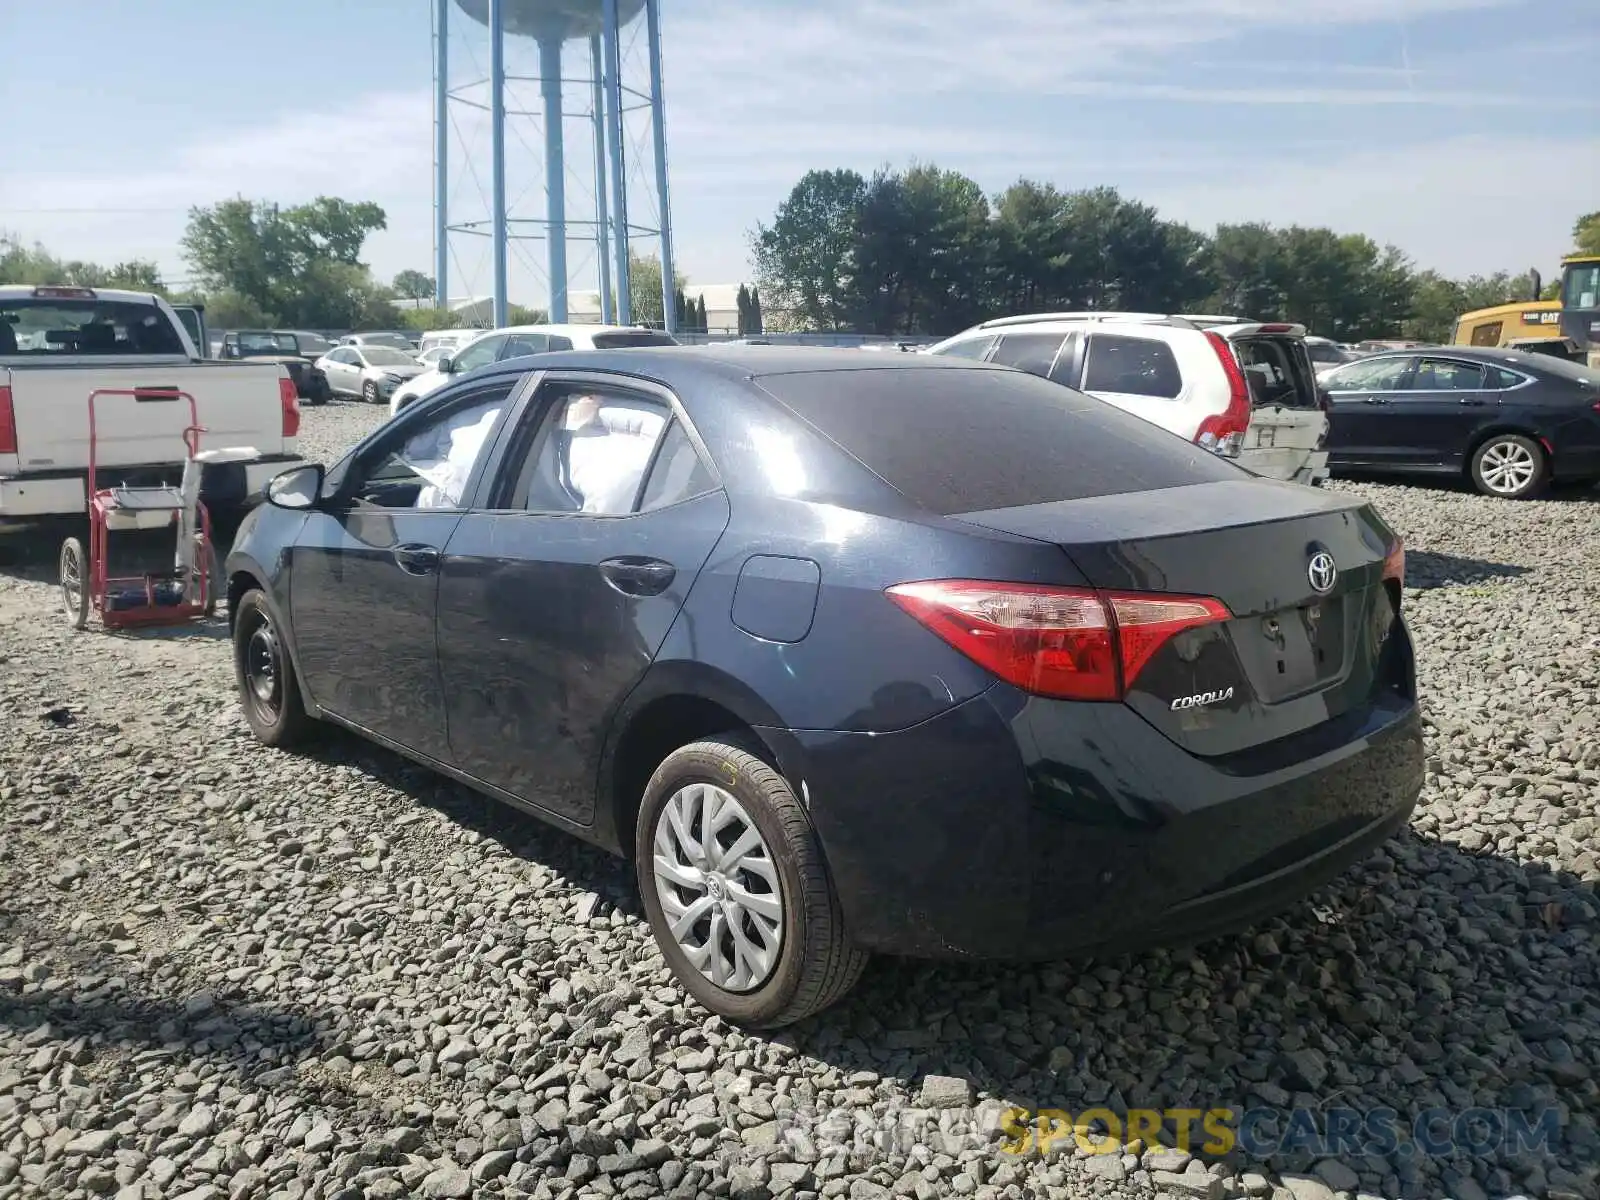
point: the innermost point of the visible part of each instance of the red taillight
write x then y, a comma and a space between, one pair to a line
8, 422
1224, 433
1068, 643
290, 399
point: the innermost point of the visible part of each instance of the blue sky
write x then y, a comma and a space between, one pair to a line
1465, 131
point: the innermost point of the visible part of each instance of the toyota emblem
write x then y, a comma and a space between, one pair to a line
1322, 572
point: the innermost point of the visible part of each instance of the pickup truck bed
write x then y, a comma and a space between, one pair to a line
44, 409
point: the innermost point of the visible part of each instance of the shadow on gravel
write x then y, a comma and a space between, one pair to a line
1425, 978
1425, 569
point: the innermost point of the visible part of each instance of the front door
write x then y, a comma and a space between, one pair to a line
363, 593
553, 604
1360, 432
1435, 416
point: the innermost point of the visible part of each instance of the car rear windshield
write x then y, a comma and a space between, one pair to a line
1278, 371
46, 327
618, 341
1563, 368
962, 440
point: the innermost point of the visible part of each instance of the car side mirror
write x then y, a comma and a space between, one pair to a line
446, 365
299, 488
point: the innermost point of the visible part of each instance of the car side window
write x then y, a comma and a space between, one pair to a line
1500, 379
557, 342
480, 354
973, 348
428, 466
1369, 375
1034, 353
1132, 366
592, 450
1446, 375
678, 474
525, 343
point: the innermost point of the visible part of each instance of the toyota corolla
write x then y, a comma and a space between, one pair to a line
850, 653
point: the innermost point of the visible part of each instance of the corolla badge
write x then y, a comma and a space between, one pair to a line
1322, 572
1201, 699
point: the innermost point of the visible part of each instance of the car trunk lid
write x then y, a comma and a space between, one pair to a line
1291, 654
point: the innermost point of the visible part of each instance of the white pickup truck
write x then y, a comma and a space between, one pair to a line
58, 344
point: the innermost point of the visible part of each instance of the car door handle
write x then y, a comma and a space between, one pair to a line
1374, 400
1471, 402
638, 576
416, 559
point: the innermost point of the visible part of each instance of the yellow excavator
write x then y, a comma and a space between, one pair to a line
1568, 327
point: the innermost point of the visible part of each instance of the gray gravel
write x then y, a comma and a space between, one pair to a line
228, 973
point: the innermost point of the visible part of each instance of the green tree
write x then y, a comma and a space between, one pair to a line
298, 266
743, 302
756, 326
414, 285
22, 263
1586, 234
806, 258
644, 289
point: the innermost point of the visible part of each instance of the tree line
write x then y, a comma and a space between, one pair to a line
926, 251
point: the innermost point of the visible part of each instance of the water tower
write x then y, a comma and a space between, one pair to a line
552, 27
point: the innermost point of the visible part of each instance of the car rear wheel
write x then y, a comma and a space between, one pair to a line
369, 392
736, 890
1509, 466
269, 693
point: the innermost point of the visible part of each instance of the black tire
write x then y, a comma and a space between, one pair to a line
275, 713
74, 576
1492, 473
369, 392
815, 962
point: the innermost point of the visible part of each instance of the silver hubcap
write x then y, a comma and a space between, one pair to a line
261, 666
718, 887
1507, 467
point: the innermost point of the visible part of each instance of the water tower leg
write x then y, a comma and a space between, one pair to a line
497, 139
619, 181
658, 114
555, 169
597, 64
441, 156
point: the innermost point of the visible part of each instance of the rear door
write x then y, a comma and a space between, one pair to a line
1360, 432
1443, 402
1139, 375
1287, 424
555, 598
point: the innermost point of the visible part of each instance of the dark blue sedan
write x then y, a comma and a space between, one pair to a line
849, 653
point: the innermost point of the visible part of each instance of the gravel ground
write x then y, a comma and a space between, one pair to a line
227, 972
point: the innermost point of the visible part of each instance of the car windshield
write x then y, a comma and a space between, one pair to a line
617, 341
313, 343
267, 343
392, 340
51, 326
382, 356
971, 439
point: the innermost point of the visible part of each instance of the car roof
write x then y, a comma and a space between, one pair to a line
670, 363
24, 291
1481, 354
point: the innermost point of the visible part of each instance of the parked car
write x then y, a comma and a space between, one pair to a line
312, 345
310, 383
850, 653
369, 372
392, 341
517, 340
58, 344
1243, 389
1326, 354
1509, 421
431, 356
446, 338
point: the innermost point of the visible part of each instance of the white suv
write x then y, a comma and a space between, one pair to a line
1242, 389
514, 341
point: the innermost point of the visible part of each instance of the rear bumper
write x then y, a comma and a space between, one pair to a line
1011, 827
62, 493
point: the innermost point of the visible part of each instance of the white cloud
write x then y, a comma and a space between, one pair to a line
755, 98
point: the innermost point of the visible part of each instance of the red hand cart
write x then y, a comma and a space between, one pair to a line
181, 593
